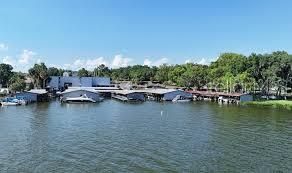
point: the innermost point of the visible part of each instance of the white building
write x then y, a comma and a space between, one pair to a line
61, 82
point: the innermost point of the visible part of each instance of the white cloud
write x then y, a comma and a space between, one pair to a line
38, 61
202, 61
160, 62
24, 61
3, 46
155, 63
8, 60
89, 64
120, 61
188, 61
26, 57
147, 62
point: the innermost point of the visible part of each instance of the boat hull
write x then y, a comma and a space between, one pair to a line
9, 104
78, 100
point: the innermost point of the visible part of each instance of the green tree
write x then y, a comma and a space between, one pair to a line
83, 73
17, 82
102, 71
5, 74
162, 73
52, 71
39, 74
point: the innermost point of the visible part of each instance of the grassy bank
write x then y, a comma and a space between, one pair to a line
286, 104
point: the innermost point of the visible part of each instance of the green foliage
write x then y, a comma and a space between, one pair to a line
83, 73
52, 71
286, 104
102, 71
5, 73
162, 73
17, 82
230, 72
39, 74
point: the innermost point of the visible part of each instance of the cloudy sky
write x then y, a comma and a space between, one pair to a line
73, 34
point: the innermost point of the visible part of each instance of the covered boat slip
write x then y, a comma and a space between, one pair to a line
168, 94
35, 95
105, 92
222, 97
129, 95
152, 94
81, 95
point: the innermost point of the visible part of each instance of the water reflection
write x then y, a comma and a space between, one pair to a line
151, 137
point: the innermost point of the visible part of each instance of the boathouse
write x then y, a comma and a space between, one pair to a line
236, 97
222, 96
35, 95
129, 95
167, 94
78, 92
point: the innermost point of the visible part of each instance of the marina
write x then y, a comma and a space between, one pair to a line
107, 86
141, 95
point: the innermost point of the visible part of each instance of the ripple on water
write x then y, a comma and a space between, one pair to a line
150, 137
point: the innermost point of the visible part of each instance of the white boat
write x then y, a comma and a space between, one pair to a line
179, 98
81, 99
9, 103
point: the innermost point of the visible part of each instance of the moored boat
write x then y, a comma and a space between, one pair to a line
9, 103
81, 99
180, 98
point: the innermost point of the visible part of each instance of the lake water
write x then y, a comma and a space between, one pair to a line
149, 137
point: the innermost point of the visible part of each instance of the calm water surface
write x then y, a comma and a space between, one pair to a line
150, 137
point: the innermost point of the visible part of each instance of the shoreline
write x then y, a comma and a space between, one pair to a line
279, 104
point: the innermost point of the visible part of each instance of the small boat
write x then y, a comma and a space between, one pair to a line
22, 100
180, 98
10, 101
81, 99
151, 98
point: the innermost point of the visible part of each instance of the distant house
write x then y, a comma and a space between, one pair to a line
4, 91
35, 95
62, 82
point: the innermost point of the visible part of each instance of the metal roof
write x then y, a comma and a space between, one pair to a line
79, 89
209, 93
37, 91
96, 88
125, 92
160, 91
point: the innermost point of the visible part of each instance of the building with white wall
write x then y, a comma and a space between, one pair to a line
62, 82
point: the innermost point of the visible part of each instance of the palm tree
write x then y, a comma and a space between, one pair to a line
39, 74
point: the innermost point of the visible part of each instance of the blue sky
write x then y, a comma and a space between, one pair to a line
72, 33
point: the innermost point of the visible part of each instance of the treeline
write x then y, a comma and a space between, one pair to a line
230, 72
